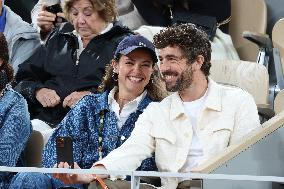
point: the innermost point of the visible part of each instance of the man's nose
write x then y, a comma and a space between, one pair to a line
165, 66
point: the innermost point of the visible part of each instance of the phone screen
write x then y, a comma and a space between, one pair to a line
64, 150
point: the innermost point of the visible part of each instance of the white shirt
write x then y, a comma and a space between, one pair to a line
193, 111
80, 42
127, 109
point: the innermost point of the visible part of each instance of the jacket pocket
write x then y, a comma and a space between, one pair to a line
219, 139
222, 127
166, 149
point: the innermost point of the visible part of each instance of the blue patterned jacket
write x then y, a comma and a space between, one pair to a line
15, 129
82, 123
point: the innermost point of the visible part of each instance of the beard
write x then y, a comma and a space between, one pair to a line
183, 81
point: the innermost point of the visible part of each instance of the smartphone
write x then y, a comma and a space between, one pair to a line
56, 9
64, 150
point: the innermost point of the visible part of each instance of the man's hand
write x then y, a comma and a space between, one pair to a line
45, 20
73, 98
72, 178
47, 97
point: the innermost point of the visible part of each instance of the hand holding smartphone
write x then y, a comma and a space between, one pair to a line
64, 150
56, 9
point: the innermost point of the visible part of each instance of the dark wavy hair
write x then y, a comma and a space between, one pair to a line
155, 88
4, 56
105, 8
191, 40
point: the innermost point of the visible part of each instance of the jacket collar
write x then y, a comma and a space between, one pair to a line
214, 97
116, 29
213, 101
102, 103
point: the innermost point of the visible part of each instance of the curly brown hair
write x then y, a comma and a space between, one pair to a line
4, 56
191, 40
155, 88
105, 8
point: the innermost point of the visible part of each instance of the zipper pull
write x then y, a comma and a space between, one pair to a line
171, 12
77, 57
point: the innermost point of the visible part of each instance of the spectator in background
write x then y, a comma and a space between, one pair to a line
22, 38
71, 64
44, 20
158, 12
99, 123
22, 8
15, 125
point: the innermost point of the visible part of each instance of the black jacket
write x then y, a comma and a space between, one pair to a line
53, 66
156, 12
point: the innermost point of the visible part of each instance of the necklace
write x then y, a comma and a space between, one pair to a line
101, 126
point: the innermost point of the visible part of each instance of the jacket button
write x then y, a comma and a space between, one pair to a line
122, 138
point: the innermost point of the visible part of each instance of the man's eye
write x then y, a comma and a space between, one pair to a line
146, 65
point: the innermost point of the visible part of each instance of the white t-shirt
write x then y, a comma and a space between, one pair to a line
195, 154
127, 109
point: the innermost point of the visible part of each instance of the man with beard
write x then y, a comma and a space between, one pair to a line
199, 120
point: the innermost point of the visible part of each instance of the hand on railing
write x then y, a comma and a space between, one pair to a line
72, 178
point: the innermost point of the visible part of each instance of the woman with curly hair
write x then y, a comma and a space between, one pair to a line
15, 125
99, 123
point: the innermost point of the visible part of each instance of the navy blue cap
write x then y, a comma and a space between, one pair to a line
130, 43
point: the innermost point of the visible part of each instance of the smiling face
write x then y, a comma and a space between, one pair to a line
134, 72
86, 20
177, 73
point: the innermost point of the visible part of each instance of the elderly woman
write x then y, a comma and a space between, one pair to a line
15, 125
71, 64
99, 123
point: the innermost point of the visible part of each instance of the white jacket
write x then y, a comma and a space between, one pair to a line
22, 39
164, 129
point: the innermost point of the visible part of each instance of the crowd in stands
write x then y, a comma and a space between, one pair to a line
97, 79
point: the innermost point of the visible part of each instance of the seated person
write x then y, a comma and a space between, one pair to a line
160, 13
198, 121
99, 123
71, 65
22, 38
15, 125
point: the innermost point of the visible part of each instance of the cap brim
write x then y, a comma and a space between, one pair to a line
132, 48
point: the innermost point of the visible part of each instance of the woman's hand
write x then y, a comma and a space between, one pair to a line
73, 98
72, 178
45, 20
47, 97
